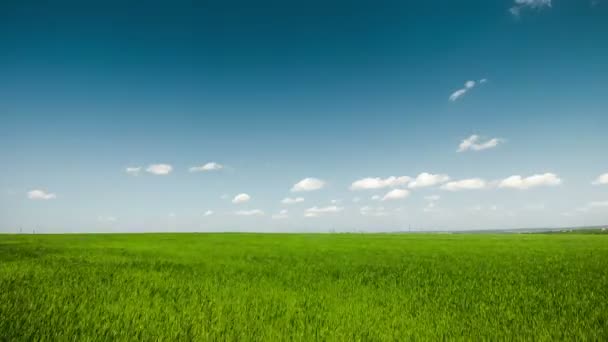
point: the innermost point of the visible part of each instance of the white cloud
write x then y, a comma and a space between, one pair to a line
254, 212
468, 86
396, 194
474, 143
316, 211
211, 166
371, 211
458, 94
308, 184
290, 200
108, 219
517, 182
379, 183
160, 169
376, 198
531, 4
336, 201
428, 179
356, 199
133, 171
465, 184
40, 195
241, 198
601, 180
208, 213
281, 215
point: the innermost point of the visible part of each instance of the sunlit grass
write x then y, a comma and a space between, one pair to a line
303, 287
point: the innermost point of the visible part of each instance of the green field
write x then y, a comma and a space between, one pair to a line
303, 287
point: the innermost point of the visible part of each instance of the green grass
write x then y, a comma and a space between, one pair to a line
303, 287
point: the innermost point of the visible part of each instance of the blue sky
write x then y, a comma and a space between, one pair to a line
453, 99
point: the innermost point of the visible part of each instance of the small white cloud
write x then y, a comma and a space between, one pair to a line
474, 143
283, 214
40, 195
601, 179
376, 198
241, 198
308, 184
107, 219
316, 211
208, 213
428, 179
468, 86
518, 182
254, 212
371, 211
336, 201
133, 171
379, 183
356, 199
396, 194
160, 169
290, 200
211, 166
531, 4
465, 184
430, 206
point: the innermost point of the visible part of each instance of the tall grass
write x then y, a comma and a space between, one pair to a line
303, 287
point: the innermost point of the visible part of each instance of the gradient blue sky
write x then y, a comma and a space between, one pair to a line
278, 91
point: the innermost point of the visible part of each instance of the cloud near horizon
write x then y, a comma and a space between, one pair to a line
316, 211
518, 182
370, 183
211, 166
426, 179
601, 179
253, 212
396, 194
308, 184
465, 184
241, 198
40, 195
159, 169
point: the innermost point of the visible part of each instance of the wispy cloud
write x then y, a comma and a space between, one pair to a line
292, 200
373, 211
253, 212
520, 5
396, 194
283, 214
241, 198
208, 213
475, 143
426, 179
211, 166
601, 179
465, 184
133, 170
159, 169
521, 183
468, 86
379, 183
316, 211
40, 195
308, 184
